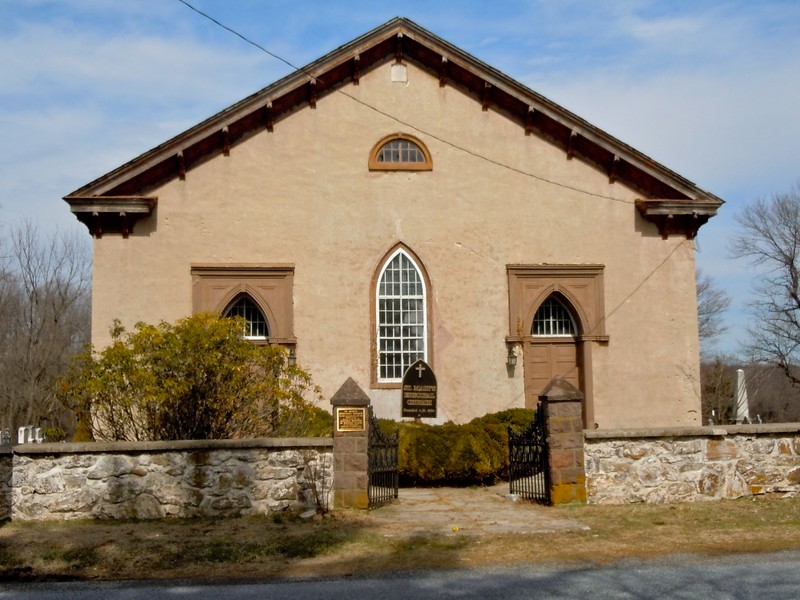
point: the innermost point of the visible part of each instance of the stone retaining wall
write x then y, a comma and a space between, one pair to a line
691, 464
149, 480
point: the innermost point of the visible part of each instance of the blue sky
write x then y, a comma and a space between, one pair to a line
711, 89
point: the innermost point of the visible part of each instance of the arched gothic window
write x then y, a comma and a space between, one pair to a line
255, 323
401, 317
553, 319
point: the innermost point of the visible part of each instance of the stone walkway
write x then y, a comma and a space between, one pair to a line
476, 511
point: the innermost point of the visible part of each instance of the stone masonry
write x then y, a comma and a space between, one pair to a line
563, 425
692, 464
351, 448
168, 479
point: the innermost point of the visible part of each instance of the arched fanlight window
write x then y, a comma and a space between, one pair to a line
401, 317
553, 319
400, 152
255, 323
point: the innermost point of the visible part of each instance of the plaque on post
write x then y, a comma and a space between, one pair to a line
351, 419
419, 391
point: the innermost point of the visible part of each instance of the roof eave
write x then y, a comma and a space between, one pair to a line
533, 111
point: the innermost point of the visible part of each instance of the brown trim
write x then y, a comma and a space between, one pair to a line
356, 69
583, 288
226, 141
111, 214
486, 96
374, 165
580, 285
676, 216
573, 136
529, 120
585, 350
427, 51
270, 286
241, 266
373, 317
269, 119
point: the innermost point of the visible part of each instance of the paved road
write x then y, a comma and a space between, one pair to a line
773, 576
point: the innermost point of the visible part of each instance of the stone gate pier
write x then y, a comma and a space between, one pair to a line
350, 446
562, 404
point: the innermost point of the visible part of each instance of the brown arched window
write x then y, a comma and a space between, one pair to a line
400, 152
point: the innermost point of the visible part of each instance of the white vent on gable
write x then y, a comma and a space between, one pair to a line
399, 73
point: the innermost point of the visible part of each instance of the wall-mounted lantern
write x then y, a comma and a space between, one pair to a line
511, 359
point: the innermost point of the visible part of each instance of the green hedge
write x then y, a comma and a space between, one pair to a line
320, 423
472, 454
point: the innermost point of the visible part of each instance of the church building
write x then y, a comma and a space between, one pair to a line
397, 200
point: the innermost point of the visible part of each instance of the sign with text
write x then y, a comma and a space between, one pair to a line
419, 391
351, 419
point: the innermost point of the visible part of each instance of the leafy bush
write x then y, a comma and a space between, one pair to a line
475, 453
196, 379
319, 423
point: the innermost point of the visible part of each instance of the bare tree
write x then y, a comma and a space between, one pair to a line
770, 238
711, 303
717, 391
44, 320
772, 396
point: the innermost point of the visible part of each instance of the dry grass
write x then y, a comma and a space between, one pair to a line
349, 543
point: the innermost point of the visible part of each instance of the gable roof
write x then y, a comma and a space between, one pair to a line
115, 200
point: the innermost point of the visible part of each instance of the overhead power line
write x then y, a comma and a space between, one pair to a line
239, 35
610, 313
401, 121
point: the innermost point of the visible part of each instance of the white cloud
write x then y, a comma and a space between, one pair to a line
42, 58
719, 129
79, 101
710, 90
664, 30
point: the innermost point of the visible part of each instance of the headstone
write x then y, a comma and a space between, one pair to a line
419, 392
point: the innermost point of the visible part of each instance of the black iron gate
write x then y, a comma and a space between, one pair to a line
527, 462
383, 477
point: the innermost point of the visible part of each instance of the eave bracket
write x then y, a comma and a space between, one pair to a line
677, 216
111, 214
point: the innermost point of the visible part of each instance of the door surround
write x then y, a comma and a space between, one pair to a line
529, 285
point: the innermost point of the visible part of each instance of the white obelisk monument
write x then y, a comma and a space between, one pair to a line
741, 405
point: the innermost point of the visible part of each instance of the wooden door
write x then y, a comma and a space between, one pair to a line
545, 359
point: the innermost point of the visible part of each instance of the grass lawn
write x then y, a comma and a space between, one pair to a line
350, 542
